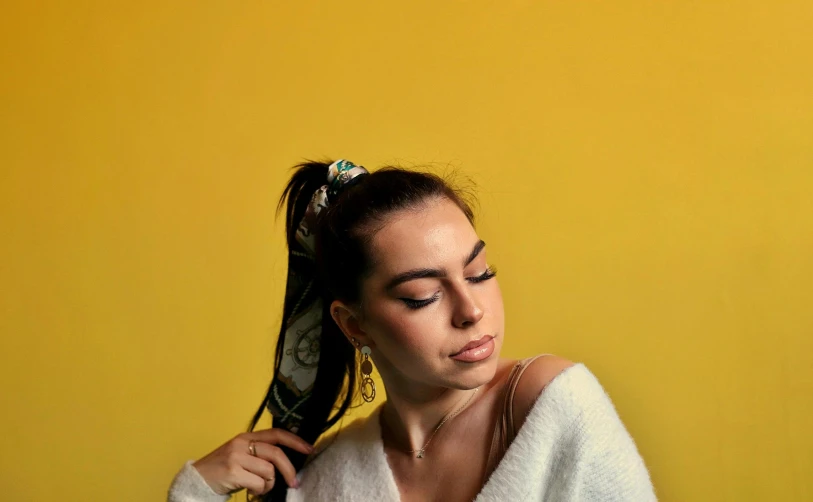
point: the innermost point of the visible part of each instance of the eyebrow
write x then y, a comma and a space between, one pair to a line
424, 273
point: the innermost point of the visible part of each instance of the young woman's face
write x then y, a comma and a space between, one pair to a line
431, 293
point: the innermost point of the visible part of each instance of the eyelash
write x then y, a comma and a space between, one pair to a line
490, 273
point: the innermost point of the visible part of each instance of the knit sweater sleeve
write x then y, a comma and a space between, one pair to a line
189, 486
606, 463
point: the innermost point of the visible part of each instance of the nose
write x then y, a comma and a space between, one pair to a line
467, 311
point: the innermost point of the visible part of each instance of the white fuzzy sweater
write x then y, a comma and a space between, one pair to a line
571, 447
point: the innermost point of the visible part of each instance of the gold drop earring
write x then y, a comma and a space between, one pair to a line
367, 384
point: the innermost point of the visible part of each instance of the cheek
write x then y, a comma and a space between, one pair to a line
495, 299
399, 328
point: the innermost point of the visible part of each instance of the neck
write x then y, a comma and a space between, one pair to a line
413, 411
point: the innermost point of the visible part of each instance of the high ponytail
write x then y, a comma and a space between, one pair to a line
341, 261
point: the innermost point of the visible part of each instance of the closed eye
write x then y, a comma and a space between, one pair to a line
416, 304
490, 273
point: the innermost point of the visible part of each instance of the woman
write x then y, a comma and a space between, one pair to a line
387, 268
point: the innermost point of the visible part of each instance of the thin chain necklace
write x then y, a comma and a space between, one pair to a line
422, 450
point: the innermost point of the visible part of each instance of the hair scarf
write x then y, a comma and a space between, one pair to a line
293, 383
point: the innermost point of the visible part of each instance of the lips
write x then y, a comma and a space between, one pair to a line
474, 344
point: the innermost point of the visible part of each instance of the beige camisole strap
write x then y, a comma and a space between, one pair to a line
504, 432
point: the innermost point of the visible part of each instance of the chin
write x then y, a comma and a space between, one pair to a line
469, 375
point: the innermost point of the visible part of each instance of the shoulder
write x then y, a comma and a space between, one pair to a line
537, 376
565, 414
563, 404
553, 385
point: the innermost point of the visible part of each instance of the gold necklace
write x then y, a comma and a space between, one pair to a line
421, 451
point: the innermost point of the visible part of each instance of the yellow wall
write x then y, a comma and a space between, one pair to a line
646, 180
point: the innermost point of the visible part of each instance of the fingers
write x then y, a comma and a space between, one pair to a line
268, 486
263, 471
277, 459
270, 459
252, 482
281, 436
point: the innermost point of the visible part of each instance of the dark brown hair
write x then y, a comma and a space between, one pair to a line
342, 234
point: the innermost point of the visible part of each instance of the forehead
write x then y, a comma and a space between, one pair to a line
432, 235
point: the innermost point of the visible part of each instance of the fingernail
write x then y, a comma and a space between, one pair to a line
310, 449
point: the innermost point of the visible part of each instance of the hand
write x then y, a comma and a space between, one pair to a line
232, 467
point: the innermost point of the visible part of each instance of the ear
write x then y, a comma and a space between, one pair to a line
348, 321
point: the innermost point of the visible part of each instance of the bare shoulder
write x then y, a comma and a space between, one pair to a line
539, 373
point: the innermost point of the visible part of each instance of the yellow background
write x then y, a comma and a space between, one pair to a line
645, 172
